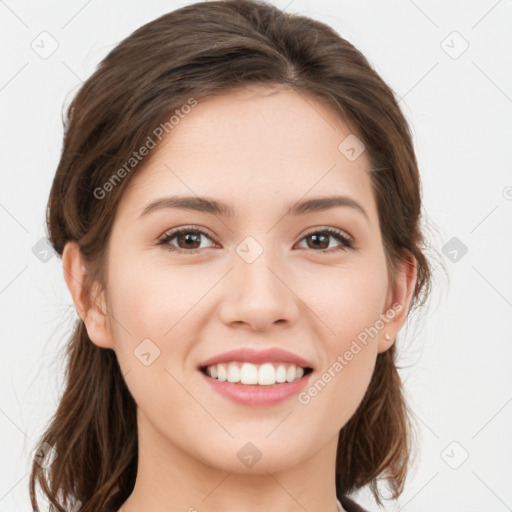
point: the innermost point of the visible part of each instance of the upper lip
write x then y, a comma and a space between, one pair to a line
249, 355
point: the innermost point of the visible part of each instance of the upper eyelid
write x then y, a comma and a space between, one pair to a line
174, 231
320, 228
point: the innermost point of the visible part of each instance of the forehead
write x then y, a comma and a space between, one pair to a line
254, 147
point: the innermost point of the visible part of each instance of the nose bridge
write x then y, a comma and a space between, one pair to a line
257, 292
256, 265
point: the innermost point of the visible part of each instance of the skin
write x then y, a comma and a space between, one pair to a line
248, 148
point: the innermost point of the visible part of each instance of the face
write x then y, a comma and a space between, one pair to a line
312, 282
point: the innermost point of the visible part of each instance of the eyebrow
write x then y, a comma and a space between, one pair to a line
219, 208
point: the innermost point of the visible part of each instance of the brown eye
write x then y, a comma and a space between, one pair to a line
187, 239
191, 240
321, 240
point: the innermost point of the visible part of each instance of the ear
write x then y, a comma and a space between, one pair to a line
90, 304
399, 299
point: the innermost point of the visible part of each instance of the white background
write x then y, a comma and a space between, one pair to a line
459, 381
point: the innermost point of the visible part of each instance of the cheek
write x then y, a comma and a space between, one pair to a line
157, 315
350, 301
152, 318
340, 385
351, 313
151, 301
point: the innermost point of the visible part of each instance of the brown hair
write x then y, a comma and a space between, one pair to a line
199, 51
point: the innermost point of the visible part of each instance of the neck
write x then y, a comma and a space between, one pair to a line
168, 478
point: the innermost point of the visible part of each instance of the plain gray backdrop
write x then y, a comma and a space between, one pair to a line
450, 64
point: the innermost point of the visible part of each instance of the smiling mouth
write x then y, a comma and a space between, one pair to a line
266, 374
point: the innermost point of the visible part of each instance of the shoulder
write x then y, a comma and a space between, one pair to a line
350, 505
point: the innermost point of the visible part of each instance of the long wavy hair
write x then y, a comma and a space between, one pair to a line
199, 51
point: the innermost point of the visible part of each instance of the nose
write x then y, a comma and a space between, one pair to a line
258, 295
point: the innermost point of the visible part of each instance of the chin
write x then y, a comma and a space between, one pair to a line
258, 455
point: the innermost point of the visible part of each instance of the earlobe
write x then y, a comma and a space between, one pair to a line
386, 340
90, 307
401, 296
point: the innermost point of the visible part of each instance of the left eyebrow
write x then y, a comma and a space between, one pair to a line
219, 208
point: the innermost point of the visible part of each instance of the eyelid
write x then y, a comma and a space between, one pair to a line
330, 230
175, 231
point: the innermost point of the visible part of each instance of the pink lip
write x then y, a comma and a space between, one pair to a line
257, 395
249, 355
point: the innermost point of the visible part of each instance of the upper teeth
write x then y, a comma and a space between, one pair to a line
247, 373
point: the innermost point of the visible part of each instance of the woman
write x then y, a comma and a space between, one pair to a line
237, 208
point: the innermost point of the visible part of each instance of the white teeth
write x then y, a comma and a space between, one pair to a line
291, 374
265, 374
221, 373
249, 374
233, 373
281, 374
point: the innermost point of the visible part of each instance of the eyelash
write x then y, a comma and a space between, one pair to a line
346, 242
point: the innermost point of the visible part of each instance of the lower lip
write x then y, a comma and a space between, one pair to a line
257, 395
